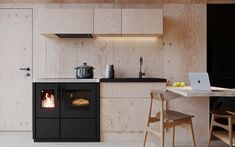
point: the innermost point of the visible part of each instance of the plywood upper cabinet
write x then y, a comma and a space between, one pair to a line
107, 22
146, 22
103, 22
67, 21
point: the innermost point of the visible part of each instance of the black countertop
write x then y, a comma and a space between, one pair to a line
133, 80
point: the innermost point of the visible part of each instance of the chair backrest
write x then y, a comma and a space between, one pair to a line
159, 96
230, 112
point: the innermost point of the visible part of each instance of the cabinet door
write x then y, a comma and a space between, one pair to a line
68, 21
147, 22
107, 22
46, 100
47, 128
78, 128
124, 105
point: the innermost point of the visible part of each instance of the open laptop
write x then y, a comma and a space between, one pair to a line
200, 81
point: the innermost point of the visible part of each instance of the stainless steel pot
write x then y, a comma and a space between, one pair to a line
84, 71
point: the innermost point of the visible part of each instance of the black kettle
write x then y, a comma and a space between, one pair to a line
84, 71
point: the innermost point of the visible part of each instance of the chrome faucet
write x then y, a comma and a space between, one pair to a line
141, 74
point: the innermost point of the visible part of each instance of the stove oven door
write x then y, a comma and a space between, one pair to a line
78, 100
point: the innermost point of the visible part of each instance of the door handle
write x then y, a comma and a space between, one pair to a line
27, 69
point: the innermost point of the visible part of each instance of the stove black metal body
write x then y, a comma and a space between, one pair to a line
66, 112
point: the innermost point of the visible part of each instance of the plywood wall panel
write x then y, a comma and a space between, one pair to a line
63, 55
69, 57
185, 40
39, 44
127, 55
185, 51
195, 38
53, 58
173, 41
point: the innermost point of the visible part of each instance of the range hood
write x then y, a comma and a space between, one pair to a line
74, 35
68, 35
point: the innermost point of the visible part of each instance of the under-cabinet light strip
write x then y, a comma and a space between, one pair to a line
128, 38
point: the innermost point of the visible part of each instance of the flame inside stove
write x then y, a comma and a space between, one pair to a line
48, 99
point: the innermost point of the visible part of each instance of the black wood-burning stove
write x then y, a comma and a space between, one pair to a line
66, 112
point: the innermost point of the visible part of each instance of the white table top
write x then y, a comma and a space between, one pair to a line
188, 92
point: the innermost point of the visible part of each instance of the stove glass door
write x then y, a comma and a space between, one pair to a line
47, 100
78, 100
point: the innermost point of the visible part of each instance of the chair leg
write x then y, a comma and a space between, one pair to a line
230, 132
192, 133
173, 136
211, 128
162, 138
145, 138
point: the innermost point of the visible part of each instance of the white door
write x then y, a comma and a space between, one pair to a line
15, 84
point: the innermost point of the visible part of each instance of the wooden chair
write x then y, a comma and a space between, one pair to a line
167, 119
226, 135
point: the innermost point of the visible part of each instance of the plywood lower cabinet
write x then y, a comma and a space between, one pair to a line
124, 114
124, 109
145, 22
107, 22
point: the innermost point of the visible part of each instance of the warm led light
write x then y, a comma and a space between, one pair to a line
128, 38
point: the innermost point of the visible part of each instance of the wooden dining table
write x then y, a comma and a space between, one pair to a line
188, 92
